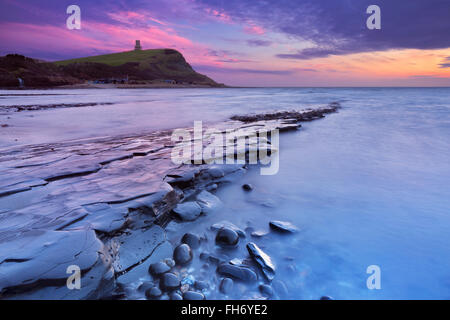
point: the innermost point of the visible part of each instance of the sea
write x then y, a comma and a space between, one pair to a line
368, 187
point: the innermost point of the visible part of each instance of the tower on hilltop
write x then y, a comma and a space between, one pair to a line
138, 47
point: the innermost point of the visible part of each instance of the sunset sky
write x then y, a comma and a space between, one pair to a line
250, 43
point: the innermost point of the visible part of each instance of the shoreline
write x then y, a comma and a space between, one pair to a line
118, 212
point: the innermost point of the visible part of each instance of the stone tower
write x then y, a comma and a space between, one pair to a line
138, 45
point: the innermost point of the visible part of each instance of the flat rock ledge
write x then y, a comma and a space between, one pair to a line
102, 205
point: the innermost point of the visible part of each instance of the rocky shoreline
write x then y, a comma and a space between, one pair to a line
105, 205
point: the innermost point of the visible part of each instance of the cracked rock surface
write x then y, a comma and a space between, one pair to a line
102, 204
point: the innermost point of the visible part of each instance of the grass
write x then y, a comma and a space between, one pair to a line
117, 59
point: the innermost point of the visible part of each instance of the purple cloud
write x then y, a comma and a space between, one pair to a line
339, 27
259, 43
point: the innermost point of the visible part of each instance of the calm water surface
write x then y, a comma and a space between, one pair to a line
366, 186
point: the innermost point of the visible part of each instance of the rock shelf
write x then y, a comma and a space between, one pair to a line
103, 205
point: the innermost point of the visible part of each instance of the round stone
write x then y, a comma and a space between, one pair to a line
226, 285
227, 237
153, 293
182, 254
159, 268
192, 295
175, 296
169, 281
247, 187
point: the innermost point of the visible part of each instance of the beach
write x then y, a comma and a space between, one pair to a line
88, 179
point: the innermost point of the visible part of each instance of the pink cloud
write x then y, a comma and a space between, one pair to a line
96, 38
221, 16
130, 17
254, 29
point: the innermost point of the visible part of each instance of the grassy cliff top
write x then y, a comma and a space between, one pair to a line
117, 59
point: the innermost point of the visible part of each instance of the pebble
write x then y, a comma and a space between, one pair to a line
226, 285
153, 293
169, 281
182, 254
175, 296
158, 268
192, 295
146, 286
241, 273
247, 187
227, 237
283, 226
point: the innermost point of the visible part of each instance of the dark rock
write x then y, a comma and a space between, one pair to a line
247, 187
227, 237
283, 226
159, 268
262, 259
146, 286
227, 224
192, 240
205, 256
175, 296
226, 285
280, 288
192, 295
237, 272
266, 290
169, 281
201, 285
326, 298
182, 254
187, 211
153, 293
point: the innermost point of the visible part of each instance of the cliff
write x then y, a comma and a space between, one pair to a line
137, 66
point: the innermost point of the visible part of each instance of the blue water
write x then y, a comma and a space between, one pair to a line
366, 186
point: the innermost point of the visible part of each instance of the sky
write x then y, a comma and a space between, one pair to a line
249, 43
